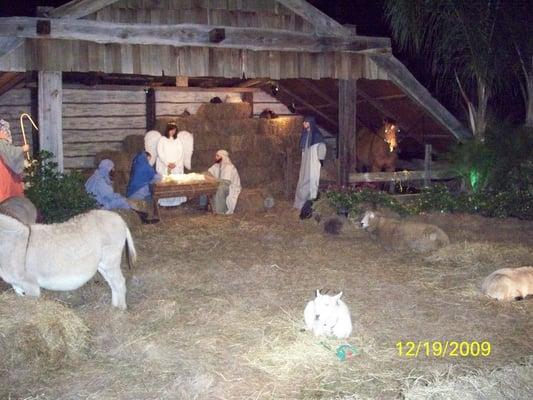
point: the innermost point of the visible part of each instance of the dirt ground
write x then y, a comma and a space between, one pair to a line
215, 311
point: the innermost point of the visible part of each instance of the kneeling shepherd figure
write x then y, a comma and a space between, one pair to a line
228, 192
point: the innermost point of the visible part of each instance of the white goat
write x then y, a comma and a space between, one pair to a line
328, 316
65, 256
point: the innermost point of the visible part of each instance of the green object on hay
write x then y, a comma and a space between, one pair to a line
344, 351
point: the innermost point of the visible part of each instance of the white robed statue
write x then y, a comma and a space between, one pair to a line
174, 153
313, 153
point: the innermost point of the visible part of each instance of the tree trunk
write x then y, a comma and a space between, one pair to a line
480, 115
529, 100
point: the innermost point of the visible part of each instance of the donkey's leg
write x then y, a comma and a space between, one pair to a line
109, 267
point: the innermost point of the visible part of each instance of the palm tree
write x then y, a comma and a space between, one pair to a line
462, 43
521, 42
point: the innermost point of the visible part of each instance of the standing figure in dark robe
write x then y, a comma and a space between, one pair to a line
313, 154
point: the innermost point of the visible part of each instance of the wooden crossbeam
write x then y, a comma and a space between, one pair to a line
73, 9
187, 35
332, 102
380, 108
317, 18
402, 77
309, 106
251, 83
399, 176
380, 98
8, 44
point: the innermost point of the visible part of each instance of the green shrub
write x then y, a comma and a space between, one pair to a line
56, 195
438, 198
350, 200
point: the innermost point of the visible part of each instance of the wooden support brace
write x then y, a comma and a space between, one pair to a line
150, 109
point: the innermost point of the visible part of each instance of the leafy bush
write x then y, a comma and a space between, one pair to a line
349, 201
439, 198
504, 162
472, 161
56, 195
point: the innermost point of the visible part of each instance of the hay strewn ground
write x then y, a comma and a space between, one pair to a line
216, 311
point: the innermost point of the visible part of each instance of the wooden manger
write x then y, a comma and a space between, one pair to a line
193, 189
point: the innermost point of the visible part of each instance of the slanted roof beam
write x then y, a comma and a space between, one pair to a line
73, 9
80, 8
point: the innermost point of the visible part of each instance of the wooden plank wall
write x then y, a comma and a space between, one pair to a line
96, 120
12, 104
243, 13
82, 56
99, 119
263, 100
171, 103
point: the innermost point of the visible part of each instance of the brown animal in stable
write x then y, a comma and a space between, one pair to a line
509, 284
378, 151
393, 234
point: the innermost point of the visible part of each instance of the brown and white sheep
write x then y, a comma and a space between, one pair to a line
509, 284
395, 233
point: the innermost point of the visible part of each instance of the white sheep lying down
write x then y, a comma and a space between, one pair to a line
65, 256
395, 233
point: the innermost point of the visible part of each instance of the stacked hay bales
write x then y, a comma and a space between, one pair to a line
265, 151
131, 145
39, 333
252, 200
258, 147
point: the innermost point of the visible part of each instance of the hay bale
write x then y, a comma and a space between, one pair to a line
224, 111
121, 160
252, 200
210, 141
511, 381
202, 159
133, 144
39, 333
184, 123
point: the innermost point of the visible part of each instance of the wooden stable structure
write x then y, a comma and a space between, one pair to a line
245, 44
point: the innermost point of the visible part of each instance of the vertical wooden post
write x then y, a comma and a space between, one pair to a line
50, 103
150, 109
34, 111
347, 128
427, 165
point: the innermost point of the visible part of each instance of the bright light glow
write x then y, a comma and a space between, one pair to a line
474, 179
184, 178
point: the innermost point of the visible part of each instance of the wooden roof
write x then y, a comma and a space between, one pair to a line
267, 39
